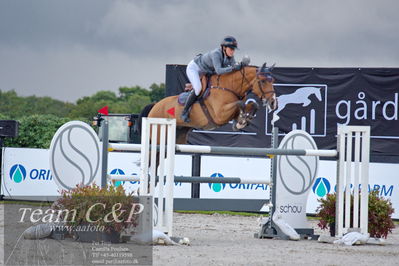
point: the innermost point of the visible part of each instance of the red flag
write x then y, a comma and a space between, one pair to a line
104, 110
171, 111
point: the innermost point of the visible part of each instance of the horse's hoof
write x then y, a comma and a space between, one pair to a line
238, 126
241, 126
234, 126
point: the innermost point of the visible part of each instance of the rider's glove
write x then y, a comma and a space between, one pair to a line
237, 67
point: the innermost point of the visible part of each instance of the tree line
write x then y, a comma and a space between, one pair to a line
128, 100
40, 117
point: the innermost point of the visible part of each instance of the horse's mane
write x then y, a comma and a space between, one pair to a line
246, 68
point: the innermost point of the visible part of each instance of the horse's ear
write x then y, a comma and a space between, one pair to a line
262, 68
272, 66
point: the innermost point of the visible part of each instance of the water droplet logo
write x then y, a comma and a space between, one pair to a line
321, 187
118, 171
18, 173
217, 187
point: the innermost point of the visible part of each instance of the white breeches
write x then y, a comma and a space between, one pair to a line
193, 73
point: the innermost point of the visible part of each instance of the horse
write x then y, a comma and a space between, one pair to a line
227, 100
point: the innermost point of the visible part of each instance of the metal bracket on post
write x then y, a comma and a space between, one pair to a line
269, 230
273, 175
104, 162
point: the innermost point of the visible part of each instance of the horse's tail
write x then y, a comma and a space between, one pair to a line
144, 113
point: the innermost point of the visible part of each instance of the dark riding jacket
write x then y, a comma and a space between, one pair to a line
215, 62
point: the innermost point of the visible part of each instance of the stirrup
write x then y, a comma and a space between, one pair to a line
186, 117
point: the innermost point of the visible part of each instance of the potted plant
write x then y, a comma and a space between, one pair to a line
92, 213
380, 212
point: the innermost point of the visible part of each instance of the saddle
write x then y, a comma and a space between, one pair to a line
182, 99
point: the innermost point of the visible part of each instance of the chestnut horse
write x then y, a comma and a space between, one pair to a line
225, 102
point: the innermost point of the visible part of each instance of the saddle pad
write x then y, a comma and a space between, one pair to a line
182, 99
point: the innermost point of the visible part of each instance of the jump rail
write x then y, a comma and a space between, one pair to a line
197, 179
199, 149
349, 170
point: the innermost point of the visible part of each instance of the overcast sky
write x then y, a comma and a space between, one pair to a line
67, 49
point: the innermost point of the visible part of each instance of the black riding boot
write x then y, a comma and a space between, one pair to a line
186, 111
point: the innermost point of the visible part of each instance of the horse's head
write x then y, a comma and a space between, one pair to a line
263, 86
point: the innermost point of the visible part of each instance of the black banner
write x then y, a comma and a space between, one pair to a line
316, 100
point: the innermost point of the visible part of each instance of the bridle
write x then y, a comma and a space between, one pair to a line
267, 76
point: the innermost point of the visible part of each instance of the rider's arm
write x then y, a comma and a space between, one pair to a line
217, 64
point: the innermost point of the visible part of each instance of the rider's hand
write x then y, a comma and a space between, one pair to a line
245, 60
237, 67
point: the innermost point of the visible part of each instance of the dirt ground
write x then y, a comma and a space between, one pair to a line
228, 240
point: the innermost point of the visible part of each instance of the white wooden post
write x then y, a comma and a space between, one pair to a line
157, 161
348, 174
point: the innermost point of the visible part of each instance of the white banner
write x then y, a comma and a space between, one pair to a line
383, 177
26, 173
218, 166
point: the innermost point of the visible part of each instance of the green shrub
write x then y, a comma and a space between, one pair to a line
100, 201
36, 131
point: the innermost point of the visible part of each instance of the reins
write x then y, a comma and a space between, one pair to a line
240, 97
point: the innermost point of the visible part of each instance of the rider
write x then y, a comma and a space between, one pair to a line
219, 61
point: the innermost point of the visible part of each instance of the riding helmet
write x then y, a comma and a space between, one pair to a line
229, 41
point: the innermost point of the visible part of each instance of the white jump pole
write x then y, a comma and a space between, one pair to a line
199, 149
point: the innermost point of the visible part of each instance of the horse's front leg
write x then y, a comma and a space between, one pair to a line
246, 114
240, 120
250, 108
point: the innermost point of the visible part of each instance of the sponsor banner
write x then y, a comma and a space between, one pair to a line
217, 166
129, 164
383, 177
315, 100
27, 172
